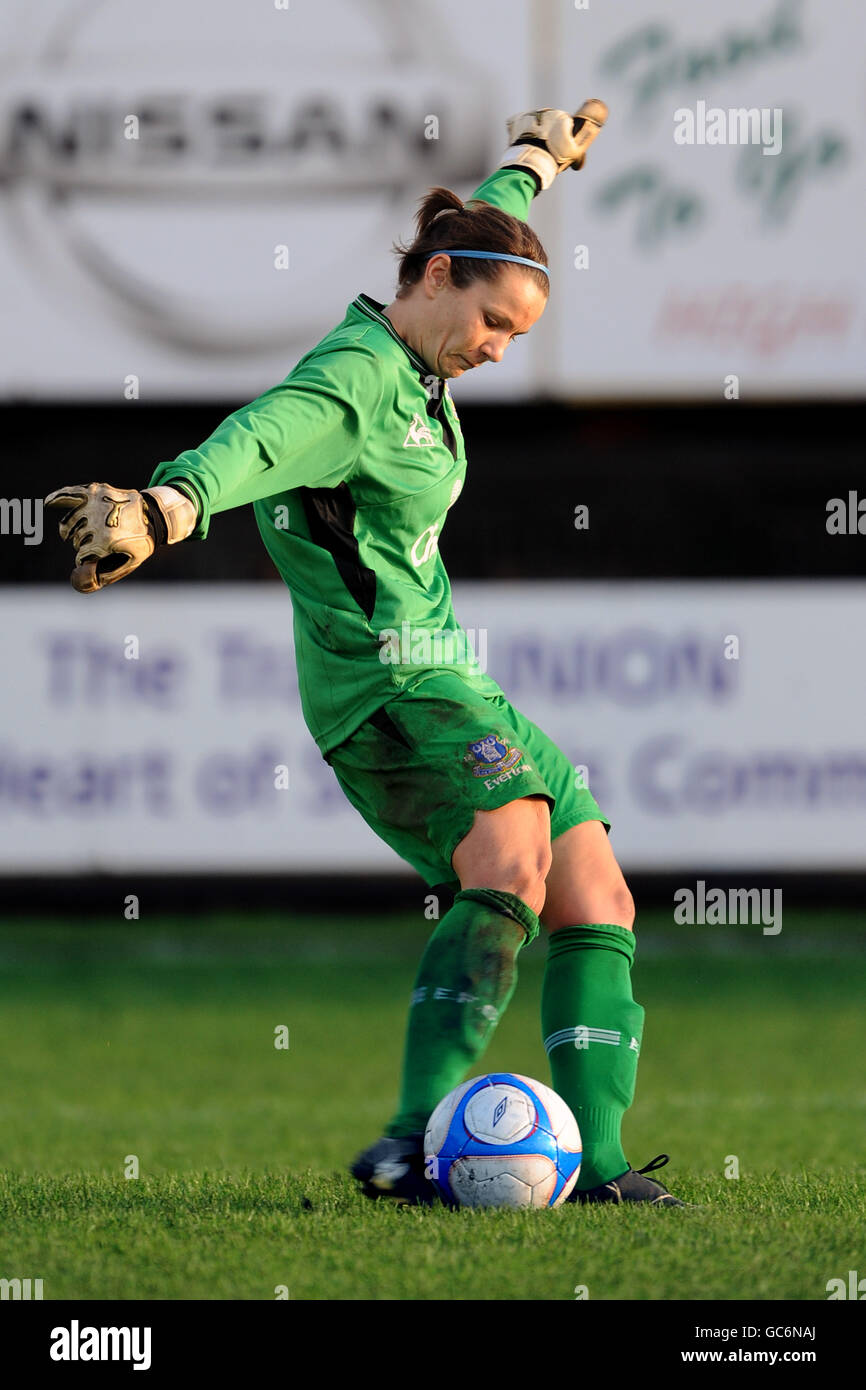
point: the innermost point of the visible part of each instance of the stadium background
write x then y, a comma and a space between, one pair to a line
697, 386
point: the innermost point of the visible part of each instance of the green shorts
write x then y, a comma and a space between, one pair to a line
424, 763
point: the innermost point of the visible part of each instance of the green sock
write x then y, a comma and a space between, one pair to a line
592, 1033
465, 980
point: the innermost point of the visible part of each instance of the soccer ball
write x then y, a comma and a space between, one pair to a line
503, 1140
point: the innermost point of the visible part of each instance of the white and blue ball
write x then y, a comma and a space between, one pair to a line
503, 1140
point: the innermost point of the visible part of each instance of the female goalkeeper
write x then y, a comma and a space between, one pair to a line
351, 464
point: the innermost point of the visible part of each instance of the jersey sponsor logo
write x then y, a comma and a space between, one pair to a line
426, 545
491, 754
419, 433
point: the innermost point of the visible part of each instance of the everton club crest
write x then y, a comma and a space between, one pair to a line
490, 754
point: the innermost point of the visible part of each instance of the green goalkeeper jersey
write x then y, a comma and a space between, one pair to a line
352, 463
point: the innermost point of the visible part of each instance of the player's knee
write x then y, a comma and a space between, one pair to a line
527, 881
620, 906
524, 875
529, 891
509, 850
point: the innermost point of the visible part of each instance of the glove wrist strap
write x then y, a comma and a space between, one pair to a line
172, 514
533, 157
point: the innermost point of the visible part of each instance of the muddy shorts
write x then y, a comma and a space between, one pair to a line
424, 763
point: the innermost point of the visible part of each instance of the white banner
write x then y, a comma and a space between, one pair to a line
186, 214
712, 250
185, 211
158, 728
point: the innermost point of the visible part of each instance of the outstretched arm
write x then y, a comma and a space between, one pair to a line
306, 432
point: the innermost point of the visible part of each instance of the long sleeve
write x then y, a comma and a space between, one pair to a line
306, 432
512, 190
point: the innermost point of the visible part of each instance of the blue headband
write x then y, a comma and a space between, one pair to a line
490, 256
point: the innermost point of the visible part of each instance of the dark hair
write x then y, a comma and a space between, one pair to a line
443, 221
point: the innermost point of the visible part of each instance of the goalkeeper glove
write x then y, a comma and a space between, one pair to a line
548, 141
114, 530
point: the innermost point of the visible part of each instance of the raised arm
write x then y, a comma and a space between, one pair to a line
542, 144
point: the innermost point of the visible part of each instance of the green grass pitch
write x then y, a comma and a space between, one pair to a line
156, 1039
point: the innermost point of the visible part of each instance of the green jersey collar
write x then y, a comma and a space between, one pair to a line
374, 310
